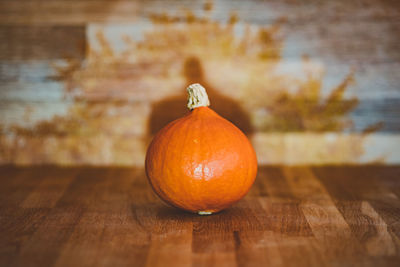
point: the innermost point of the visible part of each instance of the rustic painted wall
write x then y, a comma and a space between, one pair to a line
90, 82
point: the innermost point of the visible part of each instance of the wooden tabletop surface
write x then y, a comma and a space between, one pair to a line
293, 216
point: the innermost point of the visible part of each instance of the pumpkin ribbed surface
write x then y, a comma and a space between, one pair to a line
201, 162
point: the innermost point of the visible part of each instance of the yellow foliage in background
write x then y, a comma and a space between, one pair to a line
114, 92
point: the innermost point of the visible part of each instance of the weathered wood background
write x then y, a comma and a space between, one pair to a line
89, 82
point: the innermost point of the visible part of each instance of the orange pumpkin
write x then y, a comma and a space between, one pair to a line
201, 162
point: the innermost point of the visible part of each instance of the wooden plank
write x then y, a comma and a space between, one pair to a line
42, 42
365, 183
171, 242
217, 238
49, 190
368, 205
17, 225
106, 234
389, 180
17, 184
27, 71
327, 223
27, 93
369, 228
45, 244
269, 182
64, 12
258, 248
63, 219
110, 216
99, 144
294, 250
286, 218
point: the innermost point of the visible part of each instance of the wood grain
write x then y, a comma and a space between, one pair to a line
293, 216
42, 42
64, 12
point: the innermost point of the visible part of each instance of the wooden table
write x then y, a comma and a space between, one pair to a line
293, 216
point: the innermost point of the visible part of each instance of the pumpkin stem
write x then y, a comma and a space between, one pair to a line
197, 96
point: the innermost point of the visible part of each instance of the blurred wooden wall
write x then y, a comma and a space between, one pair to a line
68, 97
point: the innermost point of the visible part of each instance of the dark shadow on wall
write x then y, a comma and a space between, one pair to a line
174, 107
